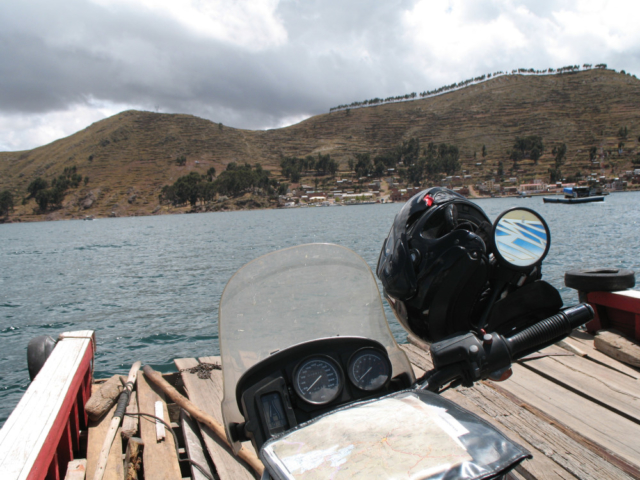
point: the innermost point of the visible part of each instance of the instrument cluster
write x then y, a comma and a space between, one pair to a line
304, 381
319, 380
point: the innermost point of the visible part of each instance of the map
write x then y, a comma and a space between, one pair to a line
395, 438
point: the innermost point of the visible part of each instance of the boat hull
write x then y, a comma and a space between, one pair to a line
572, 200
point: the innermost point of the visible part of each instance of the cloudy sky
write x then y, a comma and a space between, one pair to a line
259, 64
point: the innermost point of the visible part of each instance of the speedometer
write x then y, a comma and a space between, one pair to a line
318, 380
369, 369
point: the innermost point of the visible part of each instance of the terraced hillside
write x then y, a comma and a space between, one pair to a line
129, 157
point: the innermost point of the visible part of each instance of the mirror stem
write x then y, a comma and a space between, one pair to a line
497, 291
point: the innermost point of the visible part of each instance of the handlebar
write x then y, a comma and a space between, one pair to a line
468, 358
546, 331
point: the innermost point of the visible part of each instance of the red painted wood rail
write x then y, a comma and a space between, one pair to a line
42, 434
617, 310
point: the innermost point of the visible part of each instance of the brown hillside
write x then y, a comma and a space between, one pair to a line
131, 156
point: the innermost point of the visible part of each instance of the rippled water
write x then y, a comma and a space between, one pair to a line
150, 286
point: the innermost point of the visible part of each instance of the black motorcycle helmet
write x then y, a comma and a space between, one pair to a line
434, 264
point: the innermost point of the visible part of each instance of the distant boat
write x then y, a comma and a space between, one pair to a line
575, 195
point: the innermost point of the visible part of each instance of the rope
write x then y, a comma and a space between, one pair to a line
203, 370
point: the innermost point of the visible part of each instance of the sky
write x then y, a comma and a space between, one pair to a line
260, 64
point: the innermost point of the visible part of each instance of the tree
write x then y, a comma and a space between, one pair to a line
363, 164
6, 203
527, 147
211, 173
36, 185
623, 132
333, 167
555, 173
181, 161
351, 163
449, 156
484, 151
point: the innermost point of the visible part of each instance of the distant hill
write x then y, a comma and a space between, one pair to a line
129, 157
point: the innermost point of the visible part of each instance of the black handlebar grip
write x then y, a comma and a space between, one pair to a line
549, 329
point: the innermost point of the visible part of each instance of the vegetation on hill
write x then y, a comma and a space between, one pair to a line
469, 132
6, 204
235, 181
465, 83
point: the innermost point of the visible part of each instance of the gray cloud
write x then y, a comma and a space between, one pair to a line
56, 56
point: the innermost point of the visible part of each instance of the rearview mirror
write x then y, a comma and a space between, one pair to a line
521, 238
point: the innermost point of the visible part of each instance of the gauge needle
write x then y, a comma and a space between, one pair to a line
365, 374
315, 381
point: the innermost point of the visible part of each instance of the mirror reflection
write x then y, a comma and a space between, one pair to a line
521, 237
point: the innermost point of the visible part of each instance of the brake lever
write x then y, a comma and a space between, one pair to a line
433, 380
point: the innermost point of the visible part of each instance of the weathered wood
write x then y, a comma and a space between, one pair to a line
612, 390
571, 348
160, 460
602, 429
548, 442
207, 395
114, 426
194, 447
540, 467
97, 432
133, 458
76, 469
555, 454
160, 433
616, 345
24, 436
105, 398
130, 422
584, 341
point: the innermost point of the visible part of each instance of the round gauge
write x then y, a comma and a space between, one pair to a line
318, 380
369, 369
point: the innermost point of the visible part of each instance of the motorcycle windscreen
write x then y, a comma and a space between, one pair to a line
412, 434
293, 296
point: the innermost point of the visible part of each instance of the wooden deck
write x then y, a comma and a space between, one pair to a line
579, 415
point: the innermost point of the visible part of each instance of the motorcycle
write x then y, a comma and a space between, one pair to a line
314, 378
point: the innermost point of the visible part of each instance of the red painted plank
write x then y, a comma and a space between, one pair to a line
47, 455
615, 300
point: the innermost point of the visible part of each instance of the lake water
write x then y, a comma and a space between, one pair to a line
150, 286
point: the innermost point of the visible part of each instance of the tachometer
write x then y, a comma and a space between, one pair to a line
318, 380
369, 369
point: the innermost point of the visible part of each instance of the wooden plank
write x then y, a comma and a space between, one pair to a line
76, 469
593, 422
193, 446
555, 455
207, 395
97, 433
616, 345
585, 342
612, 390
27, 438
133, 458
130, 423
159, 413
159, 460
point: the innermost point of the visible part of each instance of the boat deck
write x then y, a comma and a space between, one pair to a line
575, 409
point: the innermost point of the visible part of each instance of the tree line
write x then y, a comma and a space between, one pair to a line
464, 83
293, 168
414, 163
50, 196
235, 181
